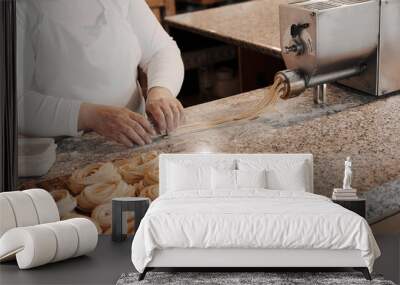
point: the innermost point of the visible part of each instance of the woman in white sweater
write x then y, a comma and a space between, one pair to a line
77, 70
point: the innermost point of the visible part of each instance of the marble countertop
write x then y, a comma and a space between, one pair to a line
253, 24
241, 136
351, 124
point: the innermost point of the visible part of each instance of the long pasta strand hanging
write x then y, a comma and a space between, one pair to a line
271, 97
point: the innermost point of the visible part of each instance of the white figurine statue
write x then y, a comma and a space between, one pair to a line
347, 174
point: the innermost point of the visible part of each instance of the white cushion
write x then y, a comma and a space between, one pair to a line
46, 207
40, 244
7, 218
231, 161
282, 174
26, 208
23, 208
32, 246
289, 178
182, 177
226, 179
223, 179
187, 160
251, 178
66, 237
87, 235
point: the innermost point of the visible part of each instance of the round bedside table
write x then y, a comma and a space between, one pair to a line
121, 207
357, 205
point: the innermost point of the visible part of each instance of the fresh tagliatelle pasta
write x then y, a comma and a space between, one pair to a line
103, 215
272, 95
64, 200
121, 178
133, 170
91, 174
89, 190
150, 192
101, 193
151, 176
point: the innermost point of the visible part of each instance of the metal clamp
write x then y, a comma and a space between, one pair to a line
320, 96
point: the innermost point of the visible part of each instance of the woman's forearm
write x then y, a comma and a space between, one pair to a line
165, 69
161, 59
46, 116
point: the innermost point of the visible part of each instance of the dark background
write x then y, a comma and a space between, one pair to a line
8, 98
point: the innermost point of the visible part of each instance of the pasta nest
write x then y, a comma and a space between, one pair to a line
101, 193
151, 177
103, 215
64, 200
93, 174
150, 192
133, 169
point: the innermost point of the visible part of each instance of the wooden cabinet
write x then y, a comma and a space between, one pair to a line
203, 2
358, 206
162, 8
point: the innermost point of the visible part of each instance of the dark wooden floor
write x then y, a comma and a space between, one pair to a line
110, 260
103, 266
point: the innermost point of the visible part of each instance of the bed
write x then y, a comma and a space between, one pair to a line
246, 211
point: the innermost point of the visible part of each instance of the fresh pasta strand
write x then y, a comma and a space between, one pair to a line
271, 97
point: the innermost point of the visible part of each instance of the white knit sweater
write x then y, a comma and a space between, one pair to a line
73, 51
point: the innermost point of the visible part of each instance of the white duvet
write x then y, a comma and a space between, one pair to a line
250, 219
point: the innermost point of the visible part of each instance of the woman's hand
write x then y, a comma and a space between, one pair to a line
116, 123
164, 109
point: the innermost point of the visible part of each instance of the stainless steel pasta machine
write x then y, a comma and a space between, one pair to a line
354, 42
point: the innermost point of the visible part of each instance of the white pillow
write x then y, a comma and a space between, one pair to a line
183, 178
292, 179
290, 175
223, 179
251, 178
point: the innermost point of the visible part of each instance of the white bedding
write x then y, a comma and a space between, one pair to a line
251, 218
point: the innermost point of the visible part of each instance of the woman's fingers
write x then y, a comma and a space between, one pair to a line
119, 124
164, 108
137, 133
144, 123
176, 114
182, 112
130, 132
158, 115
121, 138
179, 114
134, 137
169, 116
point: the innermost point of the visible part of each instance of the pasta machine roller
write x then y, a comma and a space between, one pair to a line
354, 42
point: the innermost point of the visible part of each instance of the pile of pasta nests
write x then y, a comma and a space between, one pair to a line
91, 188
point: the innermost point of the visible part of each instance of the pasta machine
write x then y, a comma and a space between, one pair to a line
353, 42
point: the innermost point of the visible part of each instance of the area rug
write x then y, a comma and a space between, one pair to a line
244, 278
